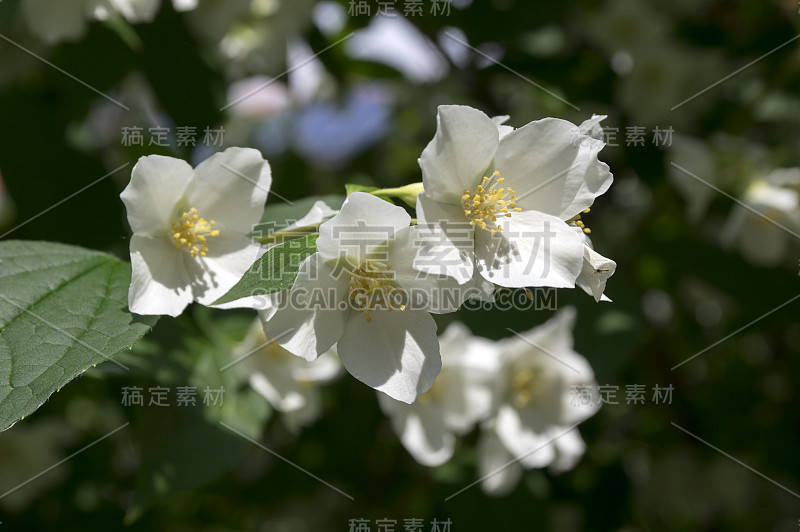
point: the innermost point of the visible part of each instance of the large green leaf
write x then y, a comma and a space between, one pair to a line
276, 270
63, 309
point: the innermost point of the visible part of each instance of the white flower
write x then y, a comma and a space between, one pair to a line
460, 397
288, 382
54, 21
503, 199
538, 405
190, 227
360, 291
761, 240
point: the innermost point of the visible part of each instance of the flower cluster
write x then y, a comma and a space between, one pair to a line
497, 206
517, 390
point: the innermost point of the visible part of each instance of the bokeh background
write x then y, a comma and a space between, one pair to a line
358, 105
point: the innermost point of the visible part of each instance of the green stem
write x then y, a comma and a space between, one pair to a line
281, 236
407, 194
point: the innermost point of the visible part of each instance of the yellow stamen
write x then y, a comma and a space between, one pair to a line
370, 288
488, 203
578, 222
191, 232
527, 386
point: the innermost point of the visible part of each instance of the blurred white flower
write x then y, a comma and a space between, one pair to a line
258, 40
460, 397
54, 21
537, 404
353, 292
761, 239
288, 382
507, 200
190, 227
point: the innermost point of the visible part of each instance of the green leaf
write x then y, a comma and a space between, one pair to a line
276, 270
63, 309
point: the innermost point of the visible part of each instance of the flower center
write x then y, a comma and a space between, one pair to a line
488, 202
578, 222
370, 288
190, 232
275, 352
527, 386
436, 391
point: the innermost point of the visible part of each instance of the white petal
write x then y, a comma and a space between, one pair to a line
553, 167
760, 242
231, 188
533, 249
158, 185
272, 371
784, 177
447, 242
363, 223
184, 5
311, 410
459, 154
277, 387
569, 449
421, 430
309, 321
470, 366
533, 448
499, 471
324, 369
137, 10
397, 353
159, 283
549, 347
229, 257
592, 127
596, 271
422, 291
319, 212
499, 121
479, 289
